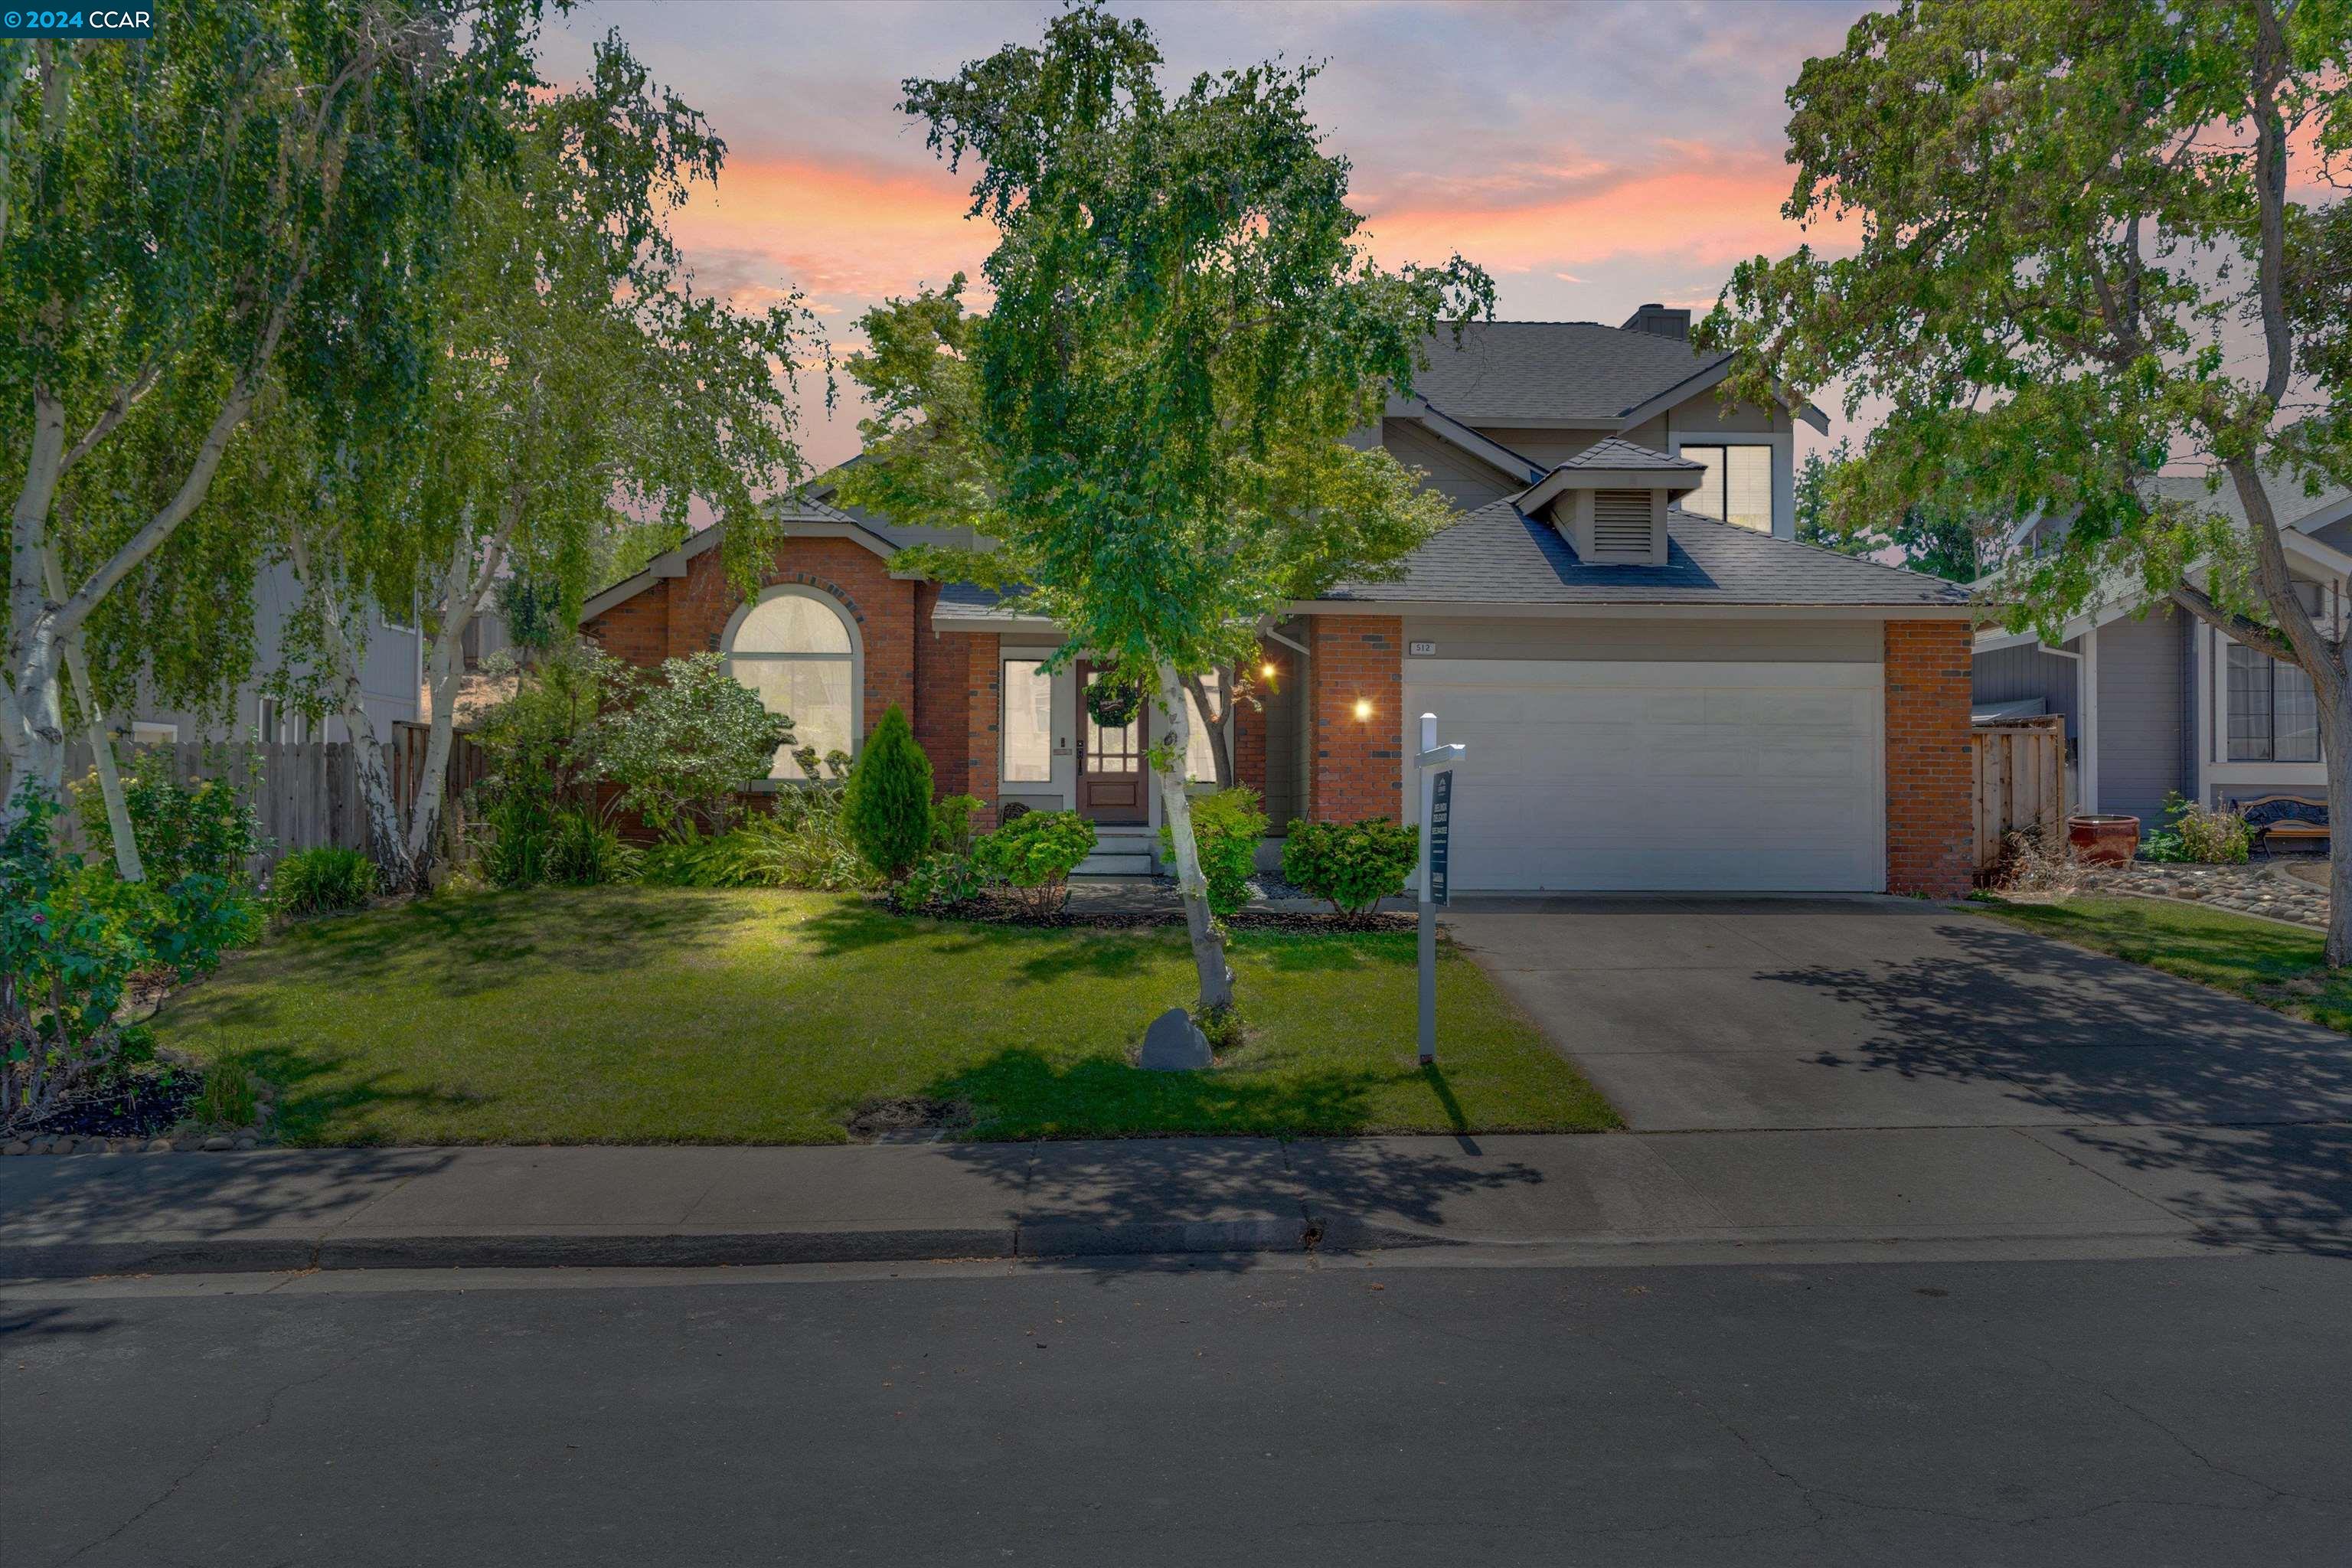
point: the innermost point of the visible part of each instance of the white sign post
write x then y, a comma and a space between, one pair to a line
1436, 764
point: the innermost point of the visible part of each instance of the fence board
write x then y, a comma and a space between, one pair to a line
305, 793
2018, 773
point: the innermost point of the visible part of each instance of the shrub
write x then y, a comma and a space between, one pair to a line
1035, 855
888, 800
69, 942
1354, 865
2204, 834
686, 742
940, 880
951, 823
804, 842
1227, 827
717, 860
585, 852
323, 881
231, 1097
205, 826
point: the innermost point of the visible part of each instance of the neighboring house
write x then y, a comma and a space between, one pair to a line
2160, 703
390, 678
1652, 698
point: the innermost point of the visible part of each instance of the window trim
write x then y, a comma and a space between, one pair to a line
855, 656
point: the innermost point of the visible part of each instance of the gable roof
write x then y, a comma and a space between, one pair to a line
1574, 373
1499, 555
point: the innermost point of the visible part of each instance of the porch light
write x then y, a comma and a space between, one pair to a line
1363, 709
1267, 670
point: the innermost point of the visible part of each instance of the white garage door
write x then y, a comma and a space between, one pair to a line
1660, 775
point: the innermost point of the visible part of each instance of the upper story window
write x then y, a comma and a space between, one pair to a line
798, 650
1738, 487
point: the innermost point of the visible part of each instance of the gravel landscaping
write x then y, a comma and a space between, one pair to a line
2257, 887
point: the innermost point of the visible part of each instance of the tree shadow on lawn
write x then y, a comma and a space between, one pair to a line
464, 944
315, 1094
2237, 1111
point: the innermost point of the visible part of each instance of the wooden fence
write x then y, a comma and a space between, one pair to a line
307, 793
2019, 780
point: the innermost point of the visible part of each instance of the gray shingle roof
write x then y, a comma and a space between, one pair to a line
1615, 452
971, 600
1498, 555
1508, 373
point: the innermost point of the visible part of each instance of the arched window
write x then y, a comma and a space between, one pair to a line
799, 650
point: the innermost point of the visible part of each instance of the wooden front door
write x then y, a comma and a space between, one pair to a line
1110, 763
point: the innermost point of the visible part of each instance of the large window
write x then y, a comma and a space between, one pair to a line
797, 649
1028, 721
1200, 763
2273, 713
1738, 486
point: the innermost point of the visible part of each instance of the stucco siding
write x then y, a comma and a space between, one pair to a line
2143, 704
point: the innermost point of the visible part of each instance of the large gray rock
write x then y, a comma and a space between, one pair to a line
1173, 1044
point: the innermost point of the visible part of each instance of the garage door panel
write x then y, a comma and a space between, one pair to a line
1672, 778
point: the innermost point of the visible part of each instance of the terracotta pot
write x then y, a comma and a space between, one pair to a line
2102, 840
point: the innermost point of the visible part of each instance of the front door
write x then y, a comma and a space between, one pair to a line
1110, 763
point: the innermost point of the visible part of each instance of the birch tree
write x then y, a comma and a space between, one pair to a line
1183, 307
2094, 240
175, 216
576, 369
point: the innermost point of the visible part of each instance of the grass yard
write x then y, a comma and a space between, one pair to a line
2277, 965
641, 1015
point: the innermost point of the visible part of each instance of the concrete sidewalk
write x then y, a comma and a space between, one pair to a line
695, 1207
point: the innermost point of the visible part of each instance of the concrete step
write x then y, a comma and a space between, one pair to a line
1116, 863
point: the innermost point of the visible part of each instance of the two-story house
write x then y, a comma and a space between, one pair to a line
1659, 687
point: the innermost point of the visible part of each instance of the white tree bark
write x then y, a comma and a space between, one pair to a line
1176, 807
387, 844
127, 864
464, 584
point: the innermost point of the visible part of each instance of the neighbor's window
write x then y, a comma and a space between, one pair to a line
1200, 763
1028, 721
796, 649
1738, 486
2273, 713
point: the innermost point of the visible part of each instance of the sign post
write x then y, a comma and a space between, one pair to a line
1436, 764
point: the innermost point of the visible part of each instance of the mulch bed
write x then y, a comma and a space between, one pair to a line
145, 1105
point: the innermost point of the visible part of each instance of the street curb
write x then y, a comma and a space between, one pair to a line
671, 1249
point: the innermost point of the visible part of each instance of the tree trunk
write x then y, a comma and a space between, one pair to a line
1207, 947
127, 864
1221, 749
386, 845
2335, 735
462, 588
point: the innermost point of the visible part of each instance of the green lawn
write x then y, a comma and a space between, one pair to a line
673, 1016
2274, 964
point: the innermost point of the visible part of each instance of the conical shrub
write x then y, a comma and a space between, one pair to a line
888, 805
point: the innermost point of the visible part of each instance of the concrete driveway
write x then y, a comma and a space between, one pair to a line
1718, 1012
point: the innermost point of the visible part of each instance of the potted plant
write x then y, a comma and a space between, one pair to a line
2102, 839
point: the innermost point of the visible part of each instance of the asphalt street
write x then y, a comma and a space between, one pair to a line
2185, 1409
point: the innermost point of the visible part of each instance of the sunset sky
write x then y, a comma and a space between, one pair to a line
1590, 156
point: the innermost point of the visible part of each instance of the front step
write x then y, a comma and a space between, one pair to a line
1121, 863
1129, 852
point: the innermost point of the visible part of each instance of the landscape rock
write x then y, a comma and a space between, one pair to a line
1175, 1043
16, 1146
159, 1145
220, 1141
248, 1141
2256, 887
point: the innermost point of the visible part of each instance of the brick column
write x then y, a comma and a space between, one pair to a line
1930, 823
983, 676
1249, 729
1359, 769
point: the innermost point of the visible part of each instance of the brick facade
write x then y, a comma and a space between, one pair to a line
927, 675
1358, 767
1930, 824
1249, 731
982, 677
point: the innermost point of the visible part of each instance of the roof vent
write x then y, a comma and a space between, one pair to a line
1659, 321
1613, 527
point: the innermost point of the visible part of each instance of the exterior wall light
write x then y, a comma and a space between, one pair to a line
1267, 670
1363, 709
